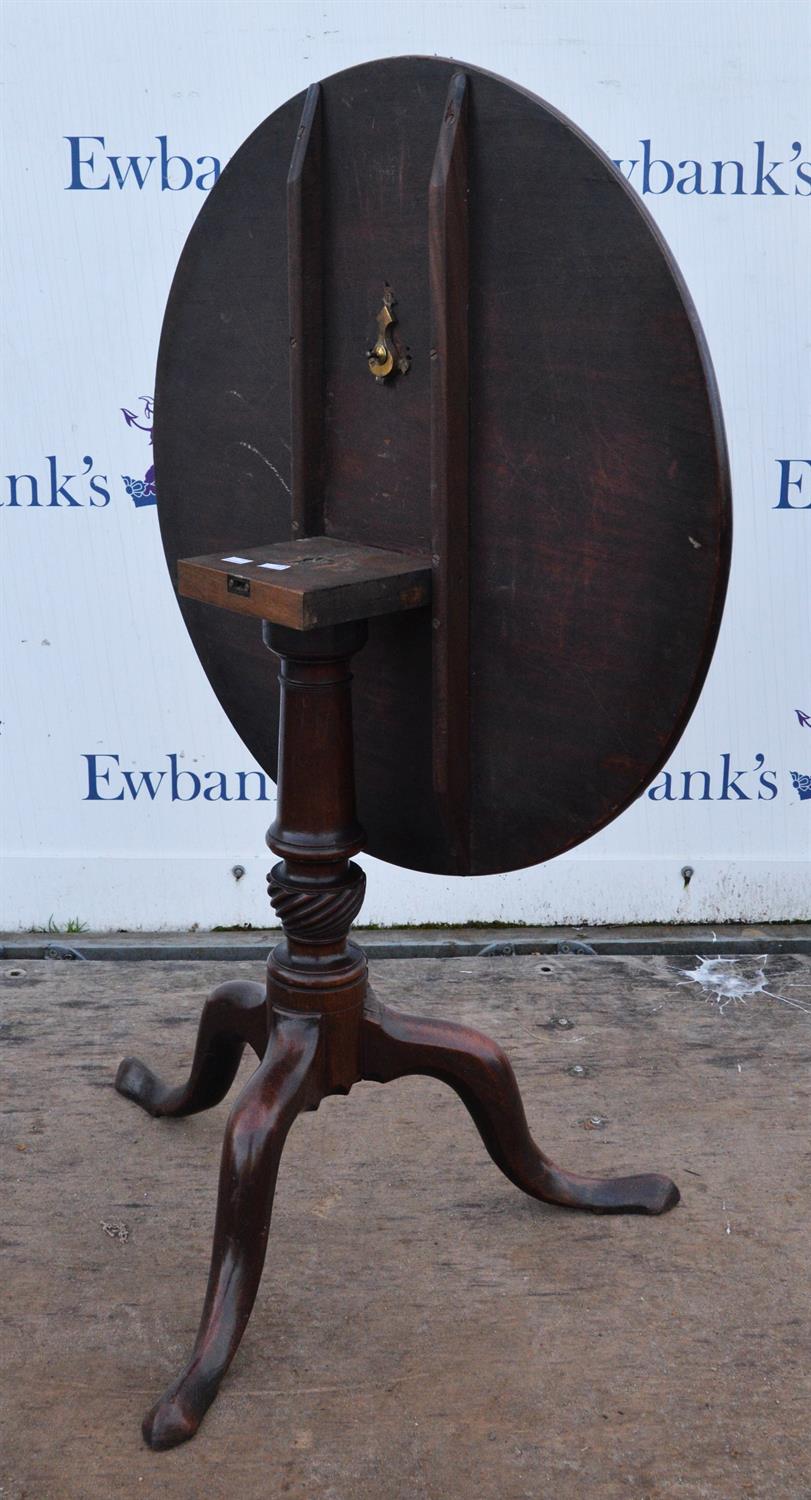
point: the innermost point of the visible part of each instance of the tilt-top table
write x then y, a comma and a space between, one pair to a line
431, 400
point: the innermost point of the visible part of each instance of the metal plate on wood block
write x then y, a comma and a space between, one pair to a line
421, 311
310, 582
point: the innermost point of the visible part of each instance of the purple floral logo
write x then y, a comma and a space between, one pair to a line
141, 491
801, 781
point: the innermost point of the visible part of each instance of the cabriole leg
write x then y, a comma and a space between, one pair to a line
254, 1138
234, 1015
480, 1072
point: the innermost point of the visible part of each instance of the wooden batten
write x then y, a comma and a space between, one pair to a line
305, 281
309, 583
448, 272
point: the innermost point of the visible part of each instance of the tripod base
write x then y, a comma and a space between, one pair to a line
318, 1029
298, 1050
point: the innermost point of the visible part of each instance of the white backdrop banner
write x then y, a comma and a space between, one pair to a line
128, 798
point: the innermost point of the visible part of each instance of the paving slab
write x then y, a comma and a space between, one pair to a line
423, 1330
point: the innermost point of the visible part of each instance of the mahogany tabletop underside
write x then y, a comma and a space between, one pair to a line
597, 497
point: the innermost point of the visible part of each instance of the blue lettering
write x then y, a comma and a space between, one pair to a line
13, 481
217, 792
738, 191
77, 161
60, 489
242, 780
687, 779
769, 785
701, 782
787, 483
145, 781
133, 166
188, 173
661, 791
764, 177
694, 177
796, 148
647, 163
176, 783
213, 172
94, 776
631, 164
99, 489
176, 775
730, 784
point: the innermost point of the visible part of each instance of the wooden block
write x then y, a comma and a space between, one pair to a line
309, 582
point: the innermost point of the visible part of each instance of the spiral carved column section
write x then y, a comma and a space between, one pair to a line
319, 916
316, 889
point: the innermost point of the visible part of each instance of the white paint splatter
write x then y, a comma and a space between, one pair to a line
733, 981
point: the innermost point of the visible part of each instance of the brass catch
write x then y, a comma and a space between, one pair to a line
384, 357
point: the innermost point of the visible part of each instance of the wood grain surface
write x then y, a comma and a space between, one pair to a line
595, 473
306, 584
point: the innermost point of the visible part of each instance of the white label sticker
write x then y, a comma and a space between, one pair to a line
276, 567
236, 559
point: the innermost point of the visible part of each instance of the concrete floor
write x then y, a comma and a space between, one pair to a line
424, 1332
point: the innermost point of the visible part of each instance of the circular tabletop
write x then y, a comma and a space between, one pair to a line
597, 510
